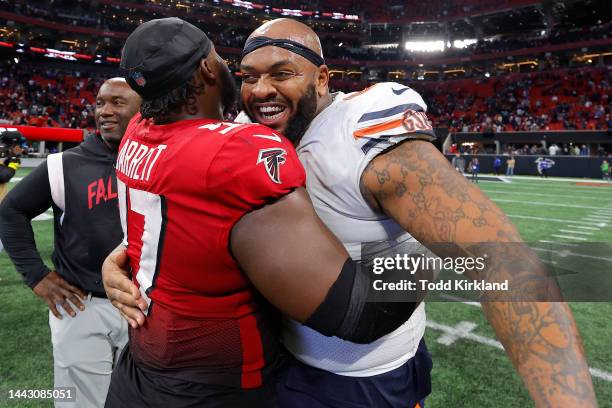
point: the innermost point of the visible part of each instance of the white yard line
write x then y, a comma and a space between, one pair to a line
540, 194
576, 232
587, 189
568, 237
464, 335
503, 200
530, 217
581, 227
566, 253
462, 332
559, 243
604, 375
458, 299
596, 218
537, 178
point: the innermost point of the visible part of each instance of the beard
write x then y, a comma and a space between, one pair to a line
304, 114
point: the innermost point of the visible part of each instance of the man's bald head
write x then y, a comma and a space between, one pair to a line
116, 80
116, 103
288, 29
284, 77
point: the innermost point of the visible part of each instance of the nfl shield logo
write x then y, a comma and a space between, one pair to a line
138, 78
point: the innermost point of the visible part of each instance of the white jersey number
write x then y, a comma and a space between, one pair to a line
148, 205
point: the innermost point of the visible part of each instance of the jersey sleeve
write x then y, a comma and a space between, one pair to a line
391, 113
29, 198
256, 166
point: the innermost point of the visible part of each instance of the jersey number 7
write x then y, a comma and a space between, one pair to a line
146, 213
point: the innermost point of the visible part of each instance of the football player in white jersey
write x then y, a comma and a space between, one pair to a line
374, 176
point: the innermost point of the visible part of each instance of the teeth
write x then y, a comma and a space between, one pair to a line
271, 109
273, 116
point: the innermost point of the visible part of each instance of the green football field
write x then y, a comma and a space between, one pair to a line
470, 368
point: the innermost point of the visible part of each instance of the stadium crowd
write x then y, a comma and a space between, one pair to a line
39, 97
561, 100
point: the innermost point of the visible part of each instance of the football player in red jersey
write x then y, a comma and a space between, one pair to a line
215, 215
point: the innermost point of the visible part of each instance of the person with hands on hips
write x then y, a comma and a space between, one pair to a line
87, 332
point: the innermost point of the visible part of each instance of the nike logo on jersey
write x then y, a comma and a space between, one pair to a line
276, 138
399, 91
272, 160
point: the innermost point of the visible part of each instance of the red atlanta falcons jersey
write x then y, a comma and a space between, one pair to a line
182, 187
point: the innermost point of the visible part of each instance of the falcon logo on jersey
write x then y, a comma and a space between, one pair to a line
272, 159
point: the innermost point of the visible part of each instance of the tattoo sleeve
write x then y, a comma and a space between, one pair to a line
415, 185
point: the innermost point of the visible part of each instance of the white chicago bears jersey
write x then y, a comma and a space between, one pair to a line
335, 150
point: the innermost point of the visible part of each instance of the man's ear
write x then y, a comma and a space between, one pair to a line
322, 80
207, 70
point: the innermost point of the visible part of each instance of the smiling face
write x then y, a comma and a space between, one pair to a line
279, 90
116, 103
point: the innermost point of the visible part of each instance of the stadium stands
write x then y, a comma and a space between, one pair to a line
559, 100
47, 98
552, 100
530, 66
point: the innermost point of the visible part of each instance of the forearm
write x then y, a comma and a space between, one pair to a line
415, 185
540, 337
543, 344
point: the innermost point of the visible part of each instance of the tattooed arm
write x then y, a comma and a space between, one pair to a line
416, 186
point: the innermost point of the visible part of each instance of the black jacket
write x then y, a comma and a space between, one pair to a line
85, 233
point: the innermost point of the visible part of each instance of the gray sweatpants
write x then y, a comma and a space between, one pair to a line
85, 349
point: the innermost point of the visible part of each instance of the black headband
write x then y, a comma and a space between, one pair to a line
258, 42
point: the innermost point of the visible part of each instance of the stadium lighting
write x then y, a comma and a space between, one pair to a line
437, 45
425, 46
464, 43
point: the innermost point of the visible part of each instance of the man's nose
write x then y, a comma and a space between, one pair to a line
106, 110
264, 89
